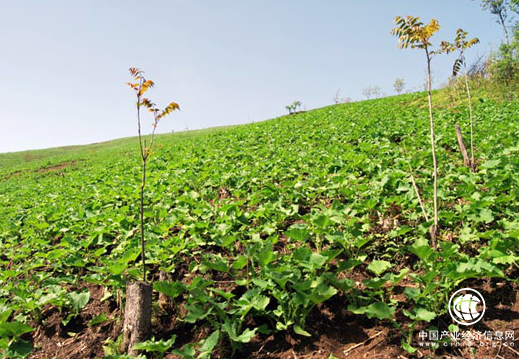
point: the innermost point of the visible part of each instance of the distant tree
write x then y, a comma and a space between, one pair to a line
293, 107
414, 34
370, 91
460, 45
366, 91
500, 9
399, 85
377, 92
337, 97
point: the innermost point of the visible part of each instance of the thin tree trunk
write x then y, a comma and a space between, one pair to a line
143, 183
463, 150
434, 228
472, 159
504, 28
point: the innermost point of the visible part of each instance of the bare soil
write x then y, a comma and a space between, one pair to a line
335, 331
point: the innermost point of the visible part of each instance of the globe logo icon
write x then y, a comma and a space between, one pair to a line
467, 306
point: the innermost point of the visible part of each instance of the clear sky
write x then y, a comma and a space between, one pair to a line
64, 64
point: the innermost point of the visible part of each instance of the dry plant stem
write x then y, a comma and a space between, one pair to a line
513, 350
415, 187
433, 230
419, 197
463, 150
472, 160
347, 351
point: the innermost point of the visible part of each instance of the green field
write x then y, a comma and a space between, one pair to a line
259, 228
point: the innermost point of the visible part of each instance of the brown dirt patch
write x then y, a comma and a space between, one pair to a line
335, 331
57, 167
77, 339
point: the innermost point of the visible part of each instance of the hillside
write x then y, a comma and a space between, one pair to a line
279, 236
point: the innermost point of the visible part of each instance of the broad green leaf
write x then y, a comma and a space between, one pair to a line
322, 292
266, 256
101, 318
486, 215
298, 233
79, 300
408, 347
160, 346
317, 260
375, 310
247, 335
195, 313
379, 267
19, 349
420, 314
171, 289
14, 329
490, 164
322, 221
301, 331
117, 268
208, 345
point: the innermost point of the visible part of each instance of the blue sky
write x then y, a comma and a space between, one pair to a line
65, 63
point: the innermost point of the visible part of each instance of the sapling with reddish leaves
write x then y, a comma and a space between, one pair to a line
137, 316
140, 87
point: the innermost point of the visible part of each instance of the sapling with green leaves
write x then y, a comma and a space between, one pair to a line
500, 9
414, 34
460, 45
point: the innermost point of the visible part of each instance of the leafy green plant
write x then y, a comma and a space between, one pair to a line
11, 345
153, 346
78, 301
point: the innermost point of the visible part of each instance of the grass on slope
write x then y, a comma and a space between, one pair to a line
262, 229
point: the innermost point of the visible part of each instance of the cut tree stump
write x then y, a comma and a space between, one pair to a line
137, 315
462, 146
